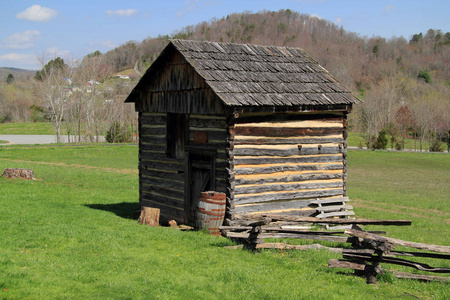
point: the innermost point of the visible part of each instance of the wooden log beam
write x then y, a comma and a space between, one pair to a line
404, 275
246, 235
339, 263
329, 221
374, 237
283, 246
396, 261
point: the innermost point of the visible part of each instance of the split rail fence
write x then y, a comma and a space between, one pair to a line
369, 248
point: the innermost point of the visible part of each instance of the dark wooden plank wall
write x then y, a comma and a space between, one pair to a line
281, 163
177, 88
215, 128
162, 178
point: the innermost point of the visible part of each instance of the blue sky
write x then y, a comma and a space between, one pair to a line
72, 29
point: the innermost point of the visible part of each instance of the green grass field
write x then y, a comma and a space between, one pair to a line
44, 128
72, 233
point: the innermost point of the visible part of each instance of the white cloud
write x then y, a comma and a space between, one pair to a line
121, 12
338, 21
19, 60
37, 13
22, 40
389, 8
315, 16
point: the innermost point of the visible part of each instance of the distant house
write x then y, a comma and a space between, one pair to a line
266, 125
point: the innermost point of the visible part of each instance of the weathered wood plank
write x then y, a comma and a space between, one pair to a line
332, 200
404, 275
162, 165
336, 214
329, 221
400, 253
164, 190
276, 196
295, 159
165, 182
283, 246
286, 186
275, 167
274, 141
285, 117
150, 173
286, 131
330, 238
374, 237
288, 152
345, 264
396, 261
283, 177
333, 208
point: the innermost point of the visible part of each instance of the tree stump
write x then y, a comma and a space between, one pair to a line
149, 216
12, 173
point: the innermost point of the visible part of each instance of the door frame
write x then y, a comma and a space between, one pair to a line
189, 216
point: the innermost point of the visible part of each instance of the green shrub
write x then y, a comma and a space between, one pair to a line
116, 134
425, 75
436, 146
382, 140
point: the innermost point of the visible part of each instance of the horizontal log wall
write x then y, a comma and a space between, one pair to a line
161, 179
280, 163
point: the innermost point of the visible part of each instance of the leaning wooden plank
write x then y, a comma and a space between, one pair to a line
323, 232
333, 200
333, 208
374, 237
283, 246
339, 263
336, 214
404, 275
399, 253
330, 221
396, 261
245, 235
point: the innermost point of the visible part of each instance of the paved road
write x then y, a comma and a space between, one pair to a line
35, 139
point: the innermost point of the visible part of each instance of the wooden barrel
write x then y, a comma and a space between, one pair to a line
210, 211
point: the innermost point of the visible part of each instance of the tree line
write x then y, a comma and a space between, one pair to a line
404, 84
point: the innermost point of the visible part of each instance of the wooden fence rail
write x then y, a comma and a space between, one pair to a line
370, 249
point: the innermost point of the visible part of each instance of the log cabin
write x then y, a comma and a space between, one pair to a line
265, 125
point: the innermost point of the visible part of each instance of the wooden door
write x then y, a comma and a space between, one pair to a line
200, 177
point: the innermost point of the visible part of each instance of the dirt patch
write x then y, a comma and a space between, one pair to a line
103, 169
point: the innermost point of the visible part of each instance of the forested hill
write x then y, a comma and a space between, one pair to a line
404, 82
356, 61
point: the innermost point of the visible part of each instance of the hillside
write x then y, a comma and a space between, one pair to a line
21, 74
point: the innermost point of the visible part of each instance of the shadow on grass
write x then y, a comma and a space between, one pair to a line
126, 210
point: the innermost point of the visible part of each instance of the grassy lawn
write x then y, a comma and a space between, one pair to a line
44, 128
72, 234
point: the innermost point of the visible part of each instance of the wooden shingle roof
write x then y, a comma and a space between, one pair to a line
253, 75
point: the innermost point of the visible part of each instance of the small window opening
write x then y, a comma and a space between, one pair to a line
175, 135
